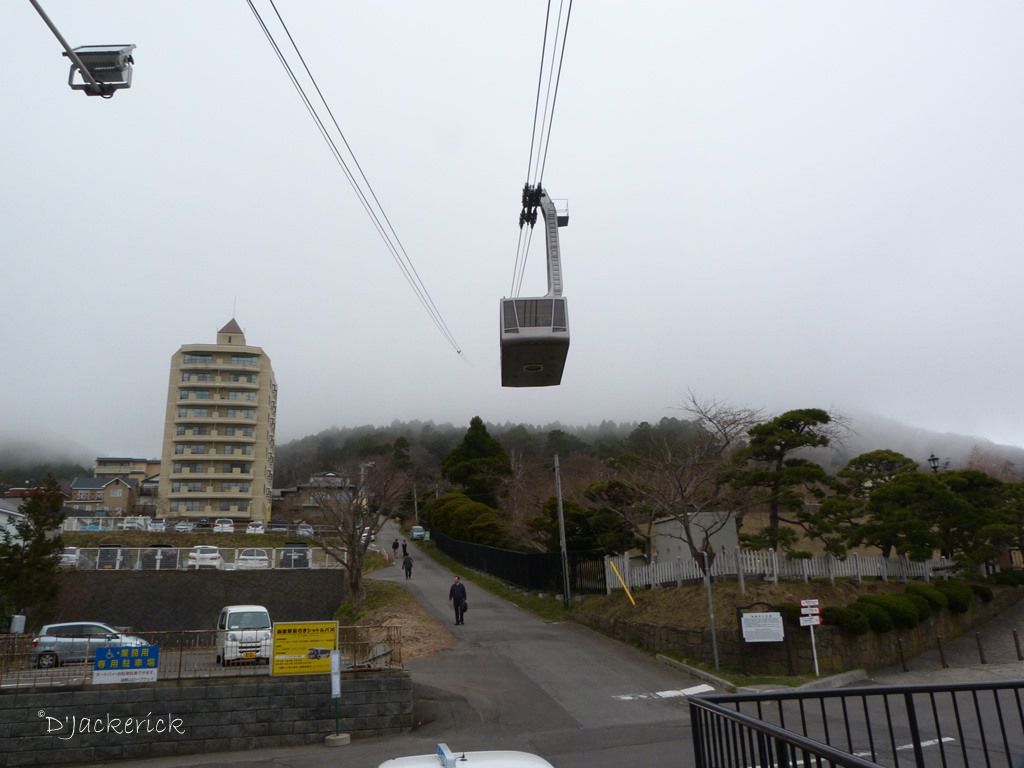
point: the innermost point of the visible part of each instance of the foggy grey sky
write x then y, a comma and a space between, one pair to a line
777, 205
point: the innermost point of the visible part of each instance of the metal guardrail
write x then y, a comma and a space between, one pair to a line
190, 655
955, 726
177, 558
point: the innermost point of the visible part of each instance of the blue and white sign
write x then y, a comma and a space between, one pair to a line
126, 664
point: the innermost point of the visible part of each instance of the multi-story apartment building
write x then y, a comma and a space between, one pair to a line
122, 466
218, 452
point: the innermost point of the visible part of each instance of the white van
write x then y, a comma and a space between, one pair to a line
244, 633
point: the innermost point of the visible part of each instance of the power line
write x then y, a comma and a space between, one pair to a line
392, 242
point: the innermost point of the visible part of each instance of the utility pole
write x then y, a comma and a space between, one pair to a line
561, 536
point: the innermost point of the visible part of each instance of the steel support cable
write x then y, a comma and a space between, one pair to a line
549, 118
547, 94
369, 187
417, 289
540, 79
517, 269
558, 79
526, 253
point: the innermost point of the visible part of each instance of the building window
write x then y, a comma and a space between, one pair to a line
115, 493
198, 359
247, 360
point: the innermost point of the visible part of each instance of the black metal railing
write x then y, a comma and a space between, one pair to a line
953, 726
530, 570
724, 738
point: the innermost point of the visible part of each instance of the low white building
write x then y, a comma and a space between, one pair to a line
670, 536
9, 517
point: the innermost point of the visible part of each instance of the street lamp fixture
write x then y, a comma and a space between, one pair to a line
101, 69
933, 462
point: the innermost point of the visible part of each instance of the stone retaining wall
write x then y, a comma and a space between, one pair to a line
174, 717
836, 652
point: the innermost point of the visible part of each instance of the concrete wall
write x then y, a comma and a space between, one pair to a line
154, 601
194, 716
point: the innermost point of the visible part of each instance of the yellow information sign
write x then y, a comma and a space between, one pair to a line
304, 647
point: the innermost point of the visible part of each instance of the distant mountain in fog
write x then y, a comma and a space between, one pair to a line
20, 451
869, 432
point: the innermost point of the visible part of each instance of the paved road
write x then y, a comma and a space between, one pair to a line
513, 681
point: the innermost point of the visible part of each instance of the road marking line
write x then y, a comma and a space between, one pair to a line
673, 694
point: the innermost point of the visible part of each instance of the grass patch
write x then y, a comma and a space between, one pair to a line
379, 594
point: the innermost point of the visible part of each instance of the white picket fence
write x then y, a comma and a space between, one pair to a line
770, 566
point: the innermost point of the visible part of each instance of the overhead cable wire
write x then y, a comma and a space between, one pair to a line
547, 120
518, 267
547, 94
355, 160
554, 99
404, 264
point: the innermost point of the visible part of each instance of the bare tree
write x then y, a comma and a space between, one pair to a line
685, 478
351, 509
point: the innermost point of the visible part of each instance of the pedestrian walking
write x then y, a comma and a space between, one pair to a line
394, 551
457, 597
405, 548
407, 565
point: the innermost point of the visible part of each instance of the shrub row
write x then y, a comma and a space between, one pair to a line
883, 613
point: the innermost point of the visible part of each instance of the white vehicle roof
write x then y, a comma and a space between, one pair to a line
445, 758
236, 608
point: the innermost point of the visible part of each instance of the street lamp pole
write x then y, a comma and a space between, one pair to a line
933, 462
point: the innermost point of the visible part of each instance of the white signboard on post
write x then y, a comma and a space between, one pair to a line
762, 627
810, 617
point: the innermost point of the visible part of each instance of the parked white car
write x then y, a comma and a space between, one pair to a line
304, 529
70, 557
252, 559
244, 634
158, 525
184, 526
223, 525
205, 556
255, 527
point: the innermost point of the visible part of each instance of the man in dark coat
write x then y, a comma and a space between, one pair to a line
457, 597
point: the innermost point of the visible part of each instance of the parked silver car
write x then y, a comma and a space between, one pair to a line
58, 644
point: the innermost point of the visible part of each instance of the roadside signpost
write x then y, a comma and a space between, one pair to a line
303, 647
810, 617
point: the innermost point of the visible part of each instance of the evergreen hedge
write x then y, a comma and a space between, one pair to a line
849, 620
936, 599
903, 612
958, 594
878, 618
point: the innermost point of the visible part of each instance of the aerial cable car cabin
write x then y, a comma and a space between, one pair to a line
535, 331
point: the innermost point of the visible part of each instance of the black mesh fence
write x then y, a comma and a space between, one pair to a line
530, 570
